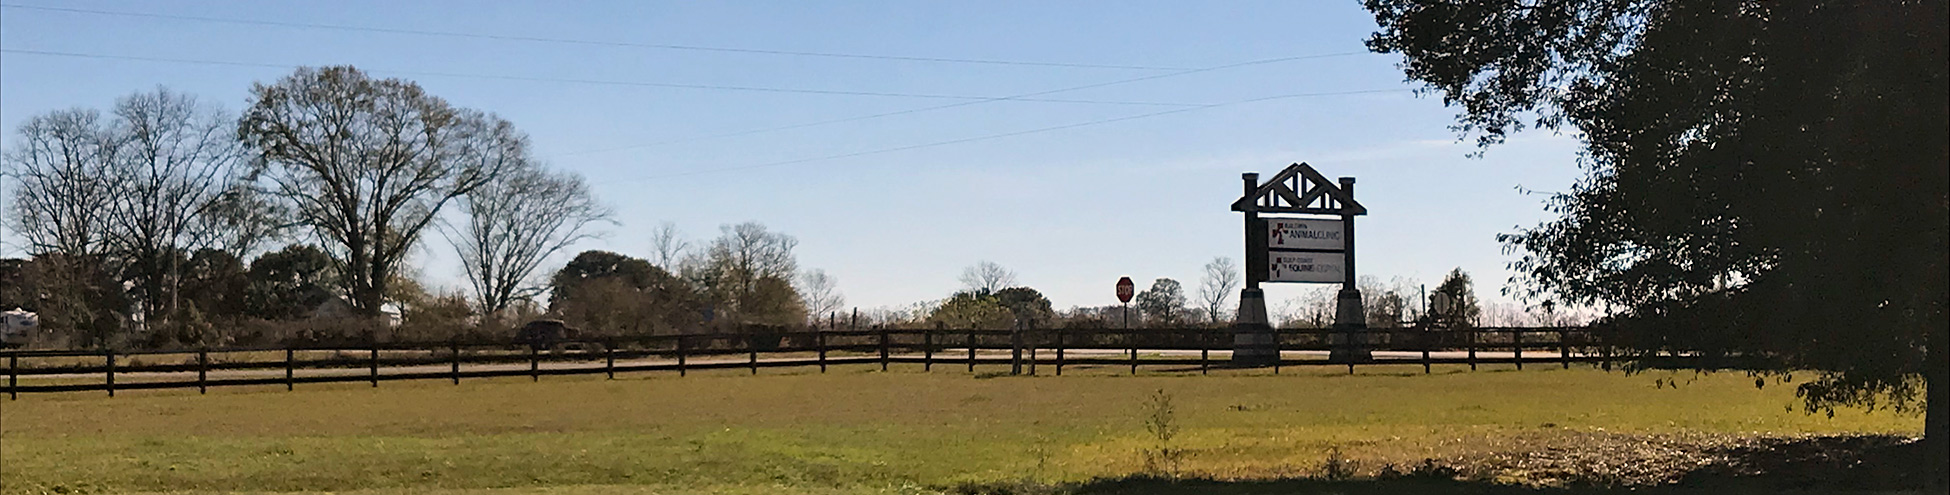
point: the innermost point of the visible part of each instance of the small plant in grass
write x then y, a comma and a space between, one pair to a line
1336, 468
1161, 421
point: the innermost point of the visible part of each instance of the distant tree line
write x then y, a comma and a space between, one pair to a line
137, 221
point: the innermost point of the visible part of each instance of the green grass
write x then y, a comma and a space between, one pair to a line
849, 431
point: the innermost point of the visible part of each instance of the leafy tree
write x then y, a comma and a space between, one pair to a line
1764, 180
1027, 305
1163, 303
1456, 302
972, 309
367, 164
289, 283
606, 293
215, 283
78, 297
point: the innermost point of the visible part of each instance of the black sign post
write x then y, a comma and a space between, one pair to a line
1304, 250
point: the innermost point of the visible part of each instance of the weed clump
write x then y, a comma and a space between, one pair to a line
1161, 421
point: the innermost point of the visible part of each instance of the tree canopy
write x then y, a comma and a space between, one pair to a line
1764, 180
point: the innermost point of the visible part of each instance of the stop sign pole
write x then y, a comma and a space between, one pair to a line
1125, 289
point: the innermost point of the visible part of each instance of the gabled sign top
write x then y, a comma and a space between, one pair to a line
1300, 189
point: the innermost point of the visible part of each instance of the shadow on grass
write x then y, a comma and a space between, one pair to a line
1880, 464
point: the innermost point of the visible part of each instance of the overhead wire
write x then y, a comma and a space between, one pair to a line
543, 39
713, 87
1008, 134
1017, 97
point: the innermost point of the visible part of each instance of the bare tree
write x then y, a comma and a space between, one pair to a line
667, 246
1221, 277
987, 277
63, 183
175, 156
821, 292
367, 164
513, 223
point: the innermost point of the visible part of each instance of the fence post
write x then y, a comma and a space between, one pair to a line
819, 341
454, 346
1516, 344
927, 349
110, 381
1130, 335
1015, 349
1206, 351
680, 356
13, 376
1564, 347
751, 349
971, 349
883, 348
1059, 351
288, 362
375, 363
534, 363
609, 358
1471, 344
203, 371
1604, 348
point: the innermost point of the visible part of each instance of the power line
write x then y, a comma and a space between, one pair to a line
1012, 134
568, 41
961, 104
713, 87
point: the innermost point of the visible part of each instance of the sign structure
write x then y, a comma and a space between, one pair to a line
1125, 289
1299, 249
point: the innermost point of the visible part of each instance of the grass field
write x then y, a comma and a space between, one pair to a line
853, 430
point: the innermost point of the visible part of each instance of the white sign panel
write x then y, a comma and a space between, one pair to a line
1307, 267
1300, 233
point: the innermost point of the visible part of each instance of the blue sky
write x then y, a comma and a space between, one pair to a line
1071, 195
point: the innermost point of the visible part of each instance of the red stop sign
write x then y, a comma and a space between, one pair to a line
1125, 289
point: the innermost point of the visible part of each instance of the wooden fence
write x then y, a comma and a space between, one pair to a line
1023, 351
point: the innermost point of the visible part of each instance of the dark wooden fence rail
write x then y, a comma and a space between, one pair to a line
1022, 350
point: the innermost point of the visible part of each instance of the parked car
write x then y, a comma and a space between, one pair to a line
545, 334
